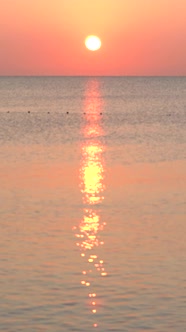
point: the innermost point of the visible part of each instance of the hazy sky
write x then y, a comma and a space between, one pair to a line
46, 37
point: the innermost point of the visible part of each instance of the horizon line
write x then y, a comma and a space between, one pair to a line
78, 76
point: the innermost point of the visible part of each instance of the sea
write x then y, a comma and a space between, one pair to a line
93, 204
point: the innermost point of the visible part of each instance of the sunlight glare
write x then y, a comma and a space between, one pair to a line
93, 43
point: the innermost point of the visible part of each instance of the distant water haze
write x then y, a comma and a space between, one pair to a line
92, 204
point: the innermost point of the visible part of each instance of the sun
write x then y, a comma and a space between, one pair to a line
93, 43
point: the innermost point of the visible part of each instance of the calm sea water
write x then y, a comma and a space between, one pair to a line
93, 204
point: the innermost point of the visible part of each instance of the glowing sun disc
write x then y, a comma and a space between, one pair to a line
93, 43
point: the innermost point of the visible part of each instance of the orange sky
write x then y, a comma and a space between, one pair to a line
139, 37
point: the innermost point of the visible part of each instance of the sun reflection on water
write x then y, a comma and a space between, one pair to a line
92, 189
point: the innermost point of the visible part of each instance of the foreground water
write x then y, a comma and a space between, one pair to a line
93, 204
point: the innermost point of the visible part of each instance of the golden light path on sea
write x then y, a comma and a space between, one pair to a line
91, 175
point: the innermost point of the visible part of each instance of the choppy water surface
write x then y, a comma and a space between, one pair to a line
93, 204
